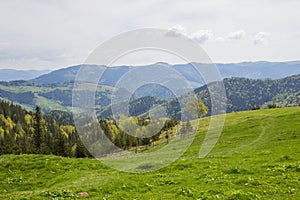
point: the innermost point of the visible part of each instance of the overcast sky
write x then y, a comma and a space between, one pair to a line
53, 34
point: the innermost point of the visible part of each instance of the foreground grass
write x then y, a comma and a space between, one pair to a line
257, 157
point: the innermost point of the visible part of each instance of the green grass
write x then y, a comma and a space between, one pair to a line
40, 100
19, 89
48, 104
256, 157
51, 104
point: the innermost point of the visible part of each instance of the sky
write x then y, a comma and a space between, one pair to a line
53, 34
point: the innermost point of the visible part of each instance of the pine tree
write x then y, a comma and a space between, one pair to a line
80, 150
38, 129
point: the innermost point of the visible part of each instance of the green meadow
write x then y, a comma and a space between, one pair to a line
256, 157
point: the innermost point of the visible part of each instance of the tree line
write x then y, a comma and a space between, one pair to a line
24, 132
246, 94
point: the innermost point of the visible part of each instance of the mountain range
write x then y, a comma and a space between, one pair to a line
242, 94
253, 70
13, 74
247, 84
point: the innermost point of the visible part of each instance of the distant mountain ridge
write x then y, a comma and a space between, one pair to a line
260, 69
253, 70
242, 94
110, 76
13, 74
275, 83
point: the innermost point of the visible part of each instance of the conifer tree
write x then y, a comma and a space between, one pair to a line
38, 129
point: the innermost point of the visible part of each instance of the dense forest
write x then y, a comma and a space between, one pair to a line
54, 133
32, 133
23, 97
247, 94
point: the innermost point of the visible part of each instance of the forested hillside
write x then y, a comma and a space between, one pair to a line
26, 132
54, 96
54, 133
247, 94
242, 94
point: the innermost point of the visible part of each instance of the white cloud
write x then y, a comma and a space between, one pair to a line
176, 31
236, 35
260, 38
201, 36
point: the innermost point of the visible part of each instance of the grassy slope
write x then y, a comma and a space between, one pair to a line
257, 156
40, 100
49, 104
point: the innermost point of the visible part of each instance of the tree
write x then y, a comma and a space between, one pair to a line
26, 132
38, 128
80, 150
196, 108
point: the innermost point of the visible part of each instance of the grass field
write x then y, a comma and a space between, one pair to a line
256, 157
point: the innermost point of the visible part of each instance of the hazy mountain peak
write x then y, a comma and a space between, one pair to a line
255, 70
13, 74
